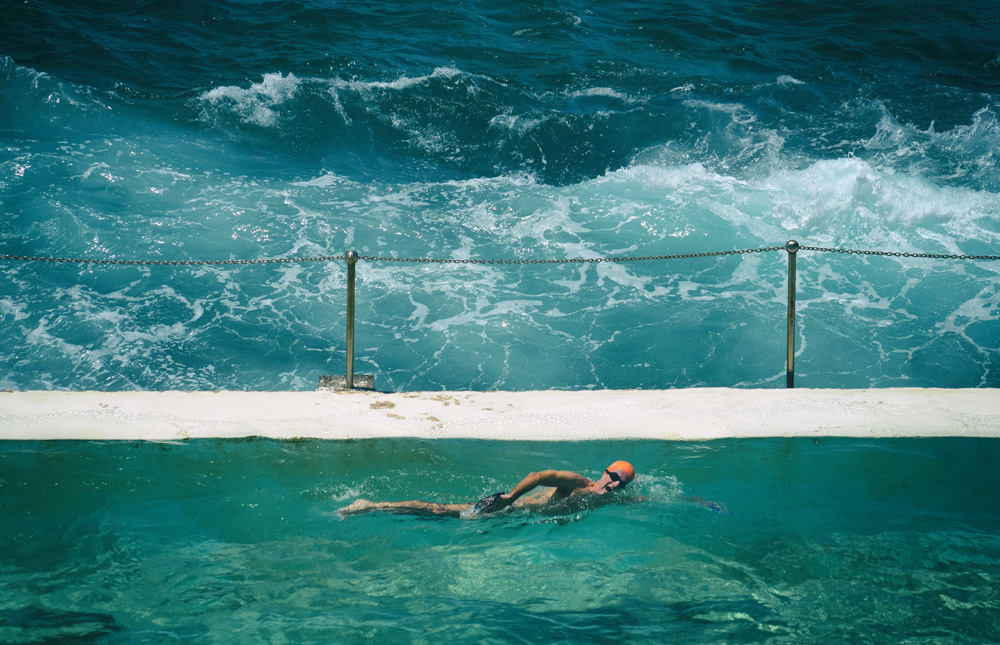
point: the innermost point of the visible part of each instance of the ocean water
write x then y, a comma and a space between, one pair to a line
827, 541
218, 129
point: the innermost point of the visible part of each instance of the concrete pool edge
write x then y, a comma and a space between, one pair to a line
687, 414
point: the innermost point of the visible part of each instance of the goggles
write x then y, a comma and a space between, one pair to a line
616, 477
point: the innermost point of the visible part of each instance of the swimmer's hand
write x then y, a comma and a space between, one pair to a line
493, 503
485, 505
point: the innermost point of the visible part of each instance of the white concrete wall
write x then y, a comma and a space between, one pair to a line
689, 414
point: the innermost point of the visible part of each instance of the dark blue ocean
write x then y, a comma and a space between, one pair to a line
523, 130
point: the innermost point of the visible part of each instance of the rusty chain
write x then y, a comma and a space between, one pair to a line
375, 258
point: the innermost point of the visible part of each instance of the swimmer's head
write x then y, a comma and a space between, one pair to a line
622, 472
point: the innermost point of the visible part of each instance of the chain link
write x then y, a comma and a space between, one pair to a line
27, 258
373, 258
898, 254
376, 258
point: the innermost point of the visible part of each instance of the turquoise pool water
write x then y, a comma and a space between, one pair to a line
829, 540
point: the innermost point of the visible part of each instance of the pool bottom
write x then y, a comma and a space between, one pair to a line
228, 540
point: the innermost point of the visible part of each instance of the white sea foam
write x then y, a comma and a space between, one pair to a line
789, 80
438, 313
981, 308
401, 83
255, 104
14, 309
484, 310
520, 123
326, 180
601, 92
848, 200
738, 112
44, 96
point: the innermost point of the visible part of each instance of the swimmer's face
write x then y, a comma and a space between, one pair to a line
622, 471
619, 480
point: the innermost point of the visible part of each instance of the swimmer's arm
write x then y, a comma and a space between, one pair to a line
555, 478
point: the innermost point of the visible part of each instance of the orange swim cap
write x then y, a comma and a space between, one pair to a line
625, 468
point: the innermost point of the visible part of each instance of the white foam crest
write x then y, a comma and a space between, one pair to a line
9, 66
519, 123
326, 180
982, 137
255, 104
436, 138
604, 92
442, 141
420, 278
499, 183
401, 83
373, 93
911, 201
738, 112
848, 199
557, 218
820, 194
967, 152
674, 200
839, 202
47, 90
693, 177
890, 134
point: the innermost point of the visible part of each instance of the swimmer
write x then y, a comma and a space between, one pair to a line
570, 492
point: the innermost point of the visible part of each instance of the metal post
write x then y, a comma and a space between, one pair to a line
352, 259
791, 246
